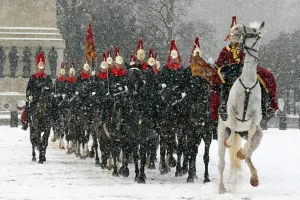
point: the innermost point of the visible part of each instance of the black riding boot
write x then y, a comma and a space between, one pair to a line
223, 100
267, 111
25, 125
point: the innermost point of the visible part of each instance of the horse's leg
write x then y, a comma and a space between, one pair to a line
207, 140
222, 135
40, 148
185, 162
33, 141
136, 162
95, 141
126, 149
163, 144
143, 157
153, 152
192, 150
179, 154
254, 144
233, 124
115, 154
45, 142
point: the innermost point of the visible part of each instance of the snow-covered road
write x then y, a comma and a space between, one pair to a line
65, 176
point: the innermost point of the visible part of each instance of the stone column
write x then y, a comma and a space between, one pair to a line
29, 23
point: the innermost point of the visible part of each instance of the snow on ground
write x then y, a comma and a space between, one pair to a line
65, 177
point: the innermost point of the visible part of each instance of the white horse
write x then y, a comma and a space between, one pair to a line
243, 109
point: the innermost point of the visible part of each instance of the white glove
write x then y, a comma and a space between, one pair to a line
120, 88
211, 61
30, 98
93, 73
183, 95
126, 89
76, 93
63, 96
163, 86
93, 93
55, 96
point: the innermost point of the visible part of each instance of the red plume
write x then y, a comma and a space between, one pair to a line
103, 56
151, 53
40, 57
73, 63
155, 55
109, 53
140, 44
233, 22
117, 51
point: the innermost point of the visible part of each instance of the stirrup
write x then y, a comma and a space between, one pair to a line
222, 112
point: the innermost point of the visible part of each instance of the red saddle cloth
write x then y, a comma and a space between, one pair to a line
264, 76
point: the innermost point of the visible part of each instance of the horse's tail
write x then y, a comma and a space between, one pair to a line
235, 163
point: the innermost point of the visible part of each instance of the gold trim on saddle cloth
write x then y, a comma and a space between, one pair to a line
262, 82
220, 75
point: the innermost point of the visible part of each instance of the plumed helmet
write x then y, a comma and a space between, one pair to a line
62, 68
233, 22
104, 64
109, 58
151, 59
72, 69
40, 61
140, 52
132, 60
86, 66
118, 58
173, 53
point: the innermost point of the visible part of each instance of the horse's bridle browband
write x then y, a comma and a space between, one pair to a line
246, 35
246, 101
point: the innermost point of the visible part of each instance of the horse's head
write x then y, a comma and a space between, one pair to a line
248, 35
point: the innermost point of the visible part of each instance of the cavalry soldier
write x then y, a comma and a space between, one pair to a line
230, 63
172, 81
36, 84
60, 91
71, 81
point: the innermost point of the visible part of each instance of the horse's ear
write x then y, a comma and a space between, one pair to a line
262, 25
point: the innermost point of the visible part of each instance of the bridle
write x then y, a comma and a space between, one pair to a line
246, 35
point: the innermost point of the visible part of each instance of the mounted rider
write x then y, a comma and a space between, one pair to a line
37, 83
230, 63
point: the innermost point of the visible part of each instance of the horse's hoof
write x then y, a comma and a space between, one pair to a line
164, 171
222, 189
98, 164
141, 180
225, 144
125, 172
178, 173
83, 157
68, 152
40, 162
136, 178
115, 173
151, 165
103, 165
240, 155
254, 181
206, 180
184, 170
92, 154
44, 158
62, 148
53, 139
33, 159
190, 179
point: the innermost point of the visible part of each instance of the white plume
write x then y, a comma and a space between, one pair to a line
255, 24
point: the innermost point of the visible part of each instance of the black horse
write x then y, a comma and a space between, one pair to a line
40, 122
199, 126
